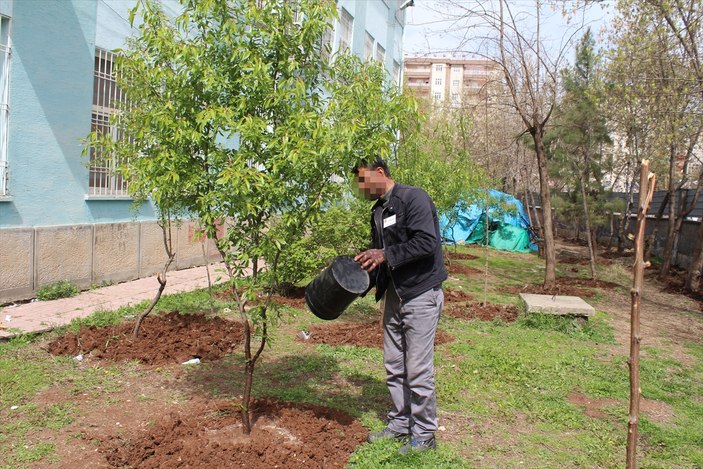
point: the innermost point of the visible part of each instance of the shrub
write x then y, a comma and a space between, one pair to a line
340, 230
60, 289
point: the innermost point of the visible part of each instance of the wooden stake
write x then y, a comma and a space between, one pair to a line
647, 182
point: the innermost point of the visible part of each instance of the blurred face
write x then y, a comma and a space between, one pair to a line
372, 182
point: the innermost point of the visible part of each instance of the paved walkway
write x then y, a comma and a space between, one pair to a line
42, 316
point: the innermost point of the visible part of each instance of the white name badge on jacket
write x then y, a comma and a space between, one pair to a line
390, 221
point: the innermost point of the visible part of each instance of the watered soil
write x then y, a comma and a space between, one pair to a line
171, 338
567, 286
209, 435
369, 334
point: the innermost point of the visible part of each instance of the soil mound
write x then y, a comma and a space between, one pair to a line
456, 296
369, 334
170, 338
459, 255
507, 313
456, 268
210, 436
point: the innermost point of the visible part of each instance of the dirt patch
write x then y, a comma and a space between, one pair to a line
206, 434
489, 312
170, 338
368, 334
583, 260
459, 255
457, 268
656, 411
570, 286
615, 254
592, 407
456, 296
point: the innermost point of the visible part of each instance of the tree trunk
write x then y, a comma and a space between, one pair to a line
587, 219
671, 225
165, 224
646, 189
693, 276
549, 248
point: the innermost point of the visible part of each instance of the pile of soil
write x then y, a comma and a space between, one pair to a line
459, 255
507, 313
369, 334
675, 283
456, 268
456, 296
171, 338
568, 286
209, 435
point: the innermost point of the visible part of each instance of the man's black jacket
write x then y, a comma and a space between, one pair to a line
411, 242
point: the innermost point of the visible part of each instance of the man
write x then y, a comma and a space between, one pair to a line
406, 265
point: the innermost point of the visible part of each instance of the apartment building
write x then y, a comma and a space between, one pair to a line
62, 218
449, 80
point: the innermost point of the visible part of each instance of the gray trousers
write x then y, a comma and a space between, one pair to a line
408, 354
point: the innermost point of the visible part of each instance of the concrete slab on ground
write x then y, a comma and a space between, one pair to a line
558, 305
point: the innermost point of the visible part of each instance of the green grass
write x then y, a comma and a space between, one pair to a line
503, 388
56, 290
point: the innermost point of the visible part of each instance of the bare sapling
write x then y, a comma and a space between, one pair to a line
647, 182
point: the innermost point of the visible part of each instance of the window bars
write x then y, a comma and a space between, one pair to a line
5, 54
107, 96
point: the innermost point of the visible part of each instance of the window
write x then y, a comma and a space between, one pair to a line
5, 53
438, 95
437, 81
457, 69
455, 82
380, 53
326, 43
103, 180
369, 41
438, 68
346, 23
396, 72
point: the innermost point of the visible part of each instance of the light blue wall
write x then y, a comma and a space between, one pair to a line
379, 18
51, 88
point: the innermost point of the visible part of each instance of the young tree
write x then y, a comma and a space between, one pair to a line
580, 134
236, 118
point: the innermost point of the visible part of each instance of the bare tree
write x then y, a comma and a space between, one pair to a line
530, 65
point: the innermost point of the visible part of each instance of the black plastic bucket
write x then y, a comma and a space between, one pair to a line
331, 292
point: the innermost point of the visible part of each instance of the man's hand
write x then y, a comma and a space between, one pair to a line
370, 259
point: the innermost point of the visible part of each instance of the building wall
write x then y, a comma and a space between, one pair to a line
49, 228
422, 77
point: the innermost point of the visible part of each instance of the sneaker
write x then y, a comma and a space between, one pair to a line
415, 445
386, 434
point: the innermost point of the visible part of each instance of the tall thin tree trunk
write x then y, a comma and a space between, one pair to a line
587, 219
549, 248
647, 183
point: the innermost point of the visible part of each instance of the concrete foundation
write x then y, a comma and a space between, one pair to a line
558, 305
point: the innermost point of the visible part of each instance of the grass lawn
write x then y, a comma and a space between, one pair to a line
540, 392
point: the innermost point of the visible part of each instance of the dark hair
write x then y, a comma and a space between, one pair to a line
375, 164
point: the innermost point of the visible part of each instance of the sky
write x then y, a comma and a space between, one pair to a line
429, 32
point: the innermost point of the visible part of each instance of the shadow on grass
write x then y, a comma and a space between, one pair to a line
309, 378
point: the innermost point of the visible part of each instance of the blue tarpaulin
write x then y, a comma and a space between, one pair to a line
509, 226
